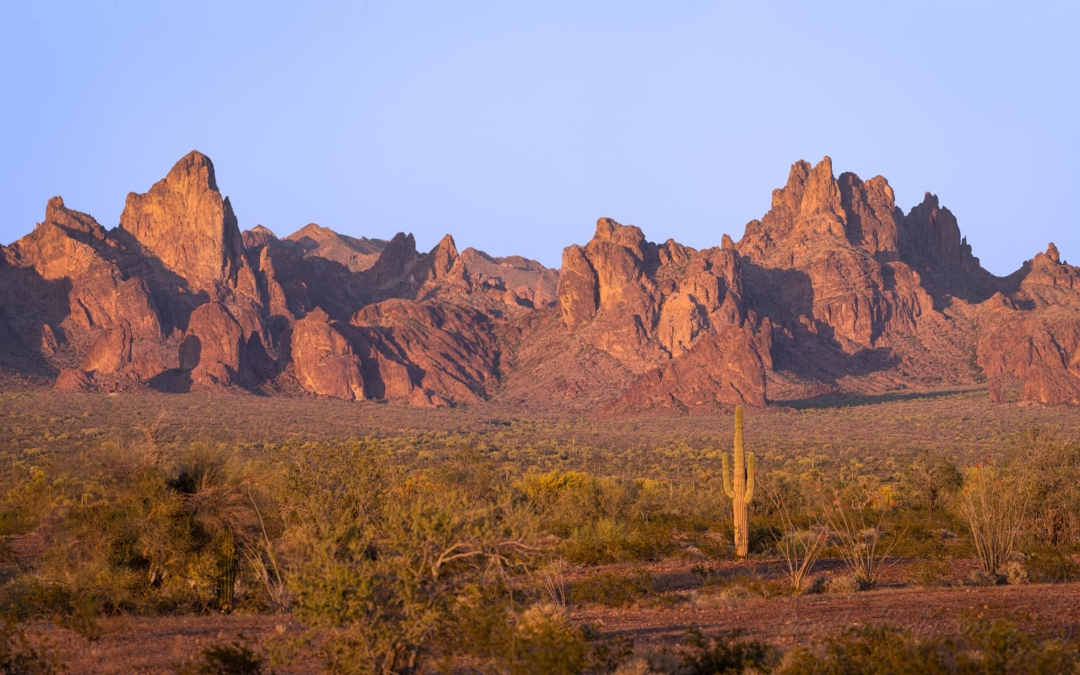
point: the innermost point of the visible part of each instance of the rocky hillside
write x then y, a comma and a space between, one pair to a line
834, 290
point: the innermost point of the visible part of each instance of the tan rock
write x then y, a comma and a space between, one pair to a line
578, 288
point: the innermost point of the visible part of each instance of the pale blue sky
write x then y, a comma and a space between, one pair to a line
514, 125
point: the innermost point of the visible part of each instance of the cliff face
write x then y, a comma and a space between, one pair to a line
835, 289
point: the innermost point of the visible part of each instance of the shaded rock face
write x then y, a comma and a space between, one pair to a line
66, 246
449, 351
66, 298
184, 222
421, 353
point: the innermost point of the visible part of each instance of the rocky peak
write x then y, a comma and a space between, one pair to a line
185, 223
394, 266
807, 213
72, 221
821, 210
258, 236
931, 238
872, 221
443, 257
322, 242
1052, 253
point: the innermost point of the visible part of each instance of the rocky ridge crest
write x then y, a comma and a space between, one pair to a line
835, 289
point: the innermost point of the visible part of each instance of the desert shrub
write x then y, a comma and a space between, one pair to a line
603, 519
610, 541
1050, 470
725, 654
18, 656
744, 584
1045, 564
545, 641
845, 583
802, 539
136, 532
993, 502
398, 568
611, 589
231, 659
863, 525
928, 573
873, 650
930, 481
1001, 647
996, 647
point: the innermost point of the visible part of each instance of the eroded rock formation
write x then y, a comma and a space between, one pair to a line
835, 289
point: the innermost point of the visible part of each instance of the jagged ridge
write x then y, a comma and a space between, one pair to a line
834, 289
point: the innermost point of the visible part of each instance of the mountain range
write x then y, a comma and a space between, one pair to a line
834, 291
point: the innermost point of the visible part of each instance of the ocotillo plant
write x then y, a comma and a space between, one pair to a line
743, 491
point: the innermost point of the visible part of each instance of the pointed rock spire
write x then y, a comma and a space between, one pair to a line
184, 222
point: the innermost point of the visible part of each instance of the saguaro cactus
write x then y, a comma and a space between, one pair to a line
743, 491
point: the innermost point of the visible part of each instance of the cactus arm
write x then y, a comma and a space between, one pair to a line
749, 478
726, 470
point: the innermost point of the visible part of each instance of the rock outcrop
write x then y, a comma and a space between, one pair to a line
649, 306
452, 350
841, 240
1033, 337
356, 255
323, 360
184, 222
213, 345
726, 367
835, 289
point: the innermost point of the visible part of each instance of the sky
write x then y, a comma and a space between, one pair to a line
515, 125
